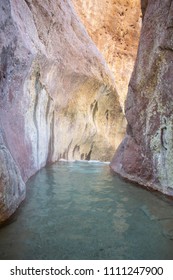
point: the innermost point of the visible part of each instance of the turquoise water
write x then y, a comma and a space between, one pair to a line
79, 210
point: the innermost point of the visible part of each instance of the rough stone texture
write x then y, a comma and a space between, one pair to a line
57, 96
144, 4
12, 187
114, 26
146, 154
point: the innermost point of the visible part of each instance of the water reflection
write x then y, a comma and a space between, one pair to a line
80, 211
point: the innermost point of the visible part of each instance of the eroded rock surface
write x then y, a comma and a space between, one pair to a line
146, 154
12, 187
57, 96
114, 26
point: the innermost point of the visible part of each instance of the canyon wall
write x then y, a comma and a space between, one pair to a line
114, 26
57, 95
146, 154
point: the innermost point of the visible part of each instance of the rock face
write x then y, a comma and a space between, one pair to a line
146, 154
114, 26
57, 96
12, 187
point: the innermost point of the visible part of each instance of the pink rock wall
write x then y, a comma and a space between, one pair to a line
145, 155
57, 95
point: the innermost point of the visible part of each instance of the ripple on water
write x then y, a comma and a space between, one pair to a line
79, 210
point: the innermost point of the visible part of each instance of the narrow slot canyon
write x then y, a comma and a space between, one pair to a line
86, 96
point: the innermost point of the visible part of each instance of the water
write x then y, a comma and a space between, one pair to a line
81, 211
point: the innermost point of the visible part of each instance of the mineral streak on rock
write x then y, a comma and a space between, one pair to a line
114, 26
57, 96
146, 154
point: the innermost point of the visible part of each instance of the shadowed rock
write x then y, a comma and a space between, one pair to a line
12, 187
145, 155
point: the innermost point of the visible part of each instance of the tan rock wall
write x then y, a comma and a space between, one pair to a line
114, 26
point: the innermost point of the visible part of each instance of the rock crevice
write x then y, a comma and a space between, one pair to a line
115, 27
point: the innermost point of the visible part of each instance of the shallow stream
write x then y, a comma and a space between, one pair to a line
79, 210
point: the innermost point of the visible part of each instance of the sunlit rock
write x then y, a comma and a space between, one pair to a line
114, 26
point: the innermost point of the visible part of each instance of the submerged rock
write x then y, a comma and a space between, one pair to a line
57, 96
146, 154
